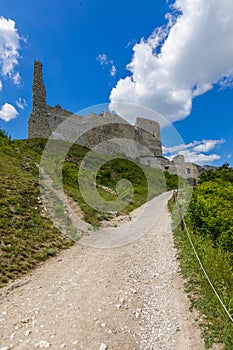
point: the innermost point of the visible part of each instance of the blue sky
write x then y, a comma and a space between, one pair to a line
177, 61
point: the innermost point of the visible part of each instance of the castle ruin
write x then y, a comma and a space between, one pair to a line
45, 119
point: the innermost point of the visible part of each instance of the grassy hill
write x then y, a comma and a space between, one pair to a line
28, 236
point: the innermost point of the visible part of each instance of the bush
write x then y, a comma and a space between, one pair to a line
4, 137
211, 208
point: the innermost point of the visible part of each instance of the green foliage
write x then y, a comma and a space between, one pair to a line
4, 137
213, 320
210, 221
109, 175
172, 181
224, 173
211, 209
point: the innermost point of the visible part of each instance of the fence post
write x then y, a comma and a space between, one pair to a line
181, 217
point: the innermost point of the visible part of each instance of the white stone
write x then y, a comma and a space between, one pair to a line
27, 333
12, 336
103, 347
43, 344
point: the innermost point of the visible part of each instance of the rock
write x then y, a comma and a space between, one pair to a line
25, 320
5, 348
43, 344
103, 347
19, 284
12, 336
133, 291
103, 324
27, 333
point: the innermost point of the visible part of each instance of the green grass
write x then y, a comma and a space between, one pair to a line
28, 236
109, 175
215, 324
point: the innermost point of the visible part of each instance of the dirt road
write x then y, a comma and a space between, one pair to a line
128, 297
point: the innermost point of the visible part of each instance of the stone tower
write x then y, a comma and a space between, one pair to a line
38, 89
149, 135
38, 124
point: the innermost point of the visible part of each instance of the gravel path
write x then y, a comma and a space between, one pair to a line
130, 297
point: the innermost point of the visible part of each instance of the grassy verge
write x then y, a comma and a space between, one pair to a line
215, 324
27, 235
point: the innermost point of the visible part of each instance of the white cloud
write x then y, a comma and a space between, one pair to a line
102, 58
9, 49
16, 78
8, 112
21, 103
207, 145
178, 148
104, 61
113, 71
199, 158
0, 85
181, 60
193, 151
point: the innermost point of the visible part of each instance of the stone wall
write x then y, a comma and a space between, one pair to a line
144, 137
45, 119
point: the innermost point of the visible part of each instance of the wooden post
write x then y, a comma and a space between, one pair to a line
181, 217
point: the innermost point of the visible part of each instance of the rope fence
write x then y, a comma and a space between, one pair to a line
185, 228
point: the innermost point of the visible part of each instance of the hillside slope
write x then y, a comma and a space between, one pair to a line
27, 235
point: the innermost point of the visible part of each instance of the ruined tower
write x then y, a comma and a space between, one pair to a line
38, 124
38, 89
149, 135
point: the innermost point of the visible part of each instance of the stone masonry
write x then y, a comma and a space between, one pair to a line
146, 143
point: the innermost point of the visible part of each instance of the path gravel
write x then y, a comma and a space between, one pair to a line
130, 297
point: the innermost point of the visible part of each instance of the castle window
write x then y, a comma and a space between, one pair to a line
188, 171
